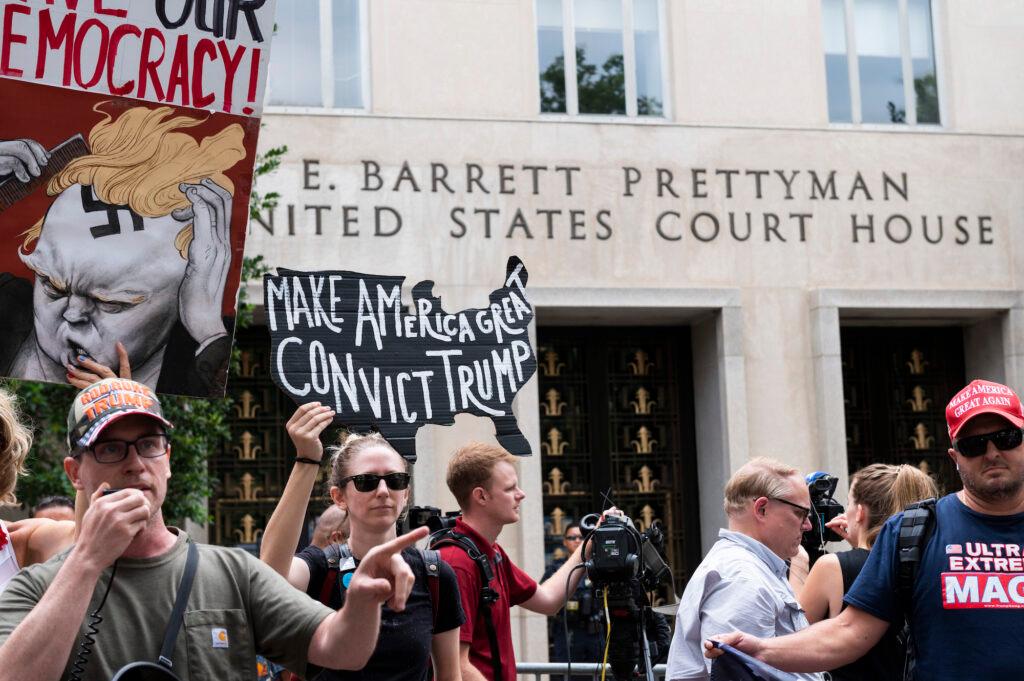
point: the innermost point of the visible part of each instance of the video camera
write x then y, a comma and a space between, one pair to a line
625, 564
621, 553
429, 516
824, 507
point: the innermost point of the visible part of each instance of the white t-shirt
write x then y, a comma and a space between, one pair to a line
8, 561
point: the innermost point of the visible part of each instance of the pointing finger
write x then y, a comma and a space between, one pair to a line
399, 544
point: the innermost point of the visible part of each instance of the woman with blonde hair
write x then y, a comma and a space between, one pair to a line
370, 481
33, 540
877, 492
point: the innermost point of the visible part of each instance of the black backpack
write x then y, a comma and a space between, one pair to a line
337, 553
916, 528
488, 596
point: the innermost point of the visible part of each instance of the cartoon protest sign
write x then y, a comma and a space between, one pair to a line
345, 339
127, 141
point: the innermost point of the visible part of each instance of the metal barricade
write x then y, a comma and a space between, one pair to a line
591, 669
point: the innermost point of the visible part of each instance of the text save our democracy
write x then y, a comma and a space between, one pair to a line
481, 353
162, 65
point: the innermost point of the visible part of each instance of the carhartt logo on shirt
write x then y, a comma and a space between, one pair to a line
220, 637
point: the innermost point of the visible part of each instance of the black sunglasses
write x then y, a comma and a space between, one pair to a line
368, 482
976, 445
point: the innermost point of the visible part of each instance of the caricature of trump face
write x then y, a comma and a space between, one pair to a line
104, 274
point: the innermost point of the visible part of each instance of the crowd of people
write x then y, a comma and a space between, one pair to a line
938, 594
360, 602
98, 584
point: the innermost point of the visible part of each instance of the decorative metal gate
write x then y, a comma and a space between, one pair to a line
896, 383
252, 469
616, 414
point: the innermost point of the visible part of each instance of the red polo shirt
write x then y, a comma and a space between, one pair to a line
513, 586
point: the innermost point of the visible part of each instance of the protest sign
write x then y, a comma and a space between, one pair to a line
127, 140
346, 340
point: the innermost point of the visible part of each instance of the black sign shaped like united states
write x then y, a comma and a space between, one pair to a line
345, 339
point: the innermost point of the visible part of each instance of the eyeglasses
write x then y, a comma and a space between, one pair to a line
573, 537
805, 512
113, 451
976, 445
368, 482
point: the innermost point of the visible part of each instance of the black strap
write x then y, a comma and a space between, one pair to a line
432, 563
492, 636
178, 613
488, 596
915, 530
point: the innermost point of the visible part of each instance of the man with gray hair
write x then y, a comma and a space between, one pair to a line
741, 584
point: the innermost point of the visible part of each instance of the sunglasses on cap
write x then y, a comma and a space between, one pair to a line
976, 445
368, 482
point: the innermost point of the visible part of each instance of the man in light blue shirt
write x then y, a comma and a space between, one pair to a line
741, 584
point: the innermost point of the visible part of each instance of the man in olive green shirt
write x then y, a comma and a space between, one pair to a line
119, 440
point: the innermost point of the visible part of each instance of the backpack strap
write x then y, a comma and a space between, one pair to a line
916, 529
488, 596
335, 553
432, 562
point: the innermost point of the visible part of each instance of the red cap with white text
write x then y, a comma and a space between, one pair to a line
983, 397
106, 401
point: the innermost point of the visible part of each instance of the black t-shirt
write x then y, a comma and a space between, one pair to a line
884, 662
403, 647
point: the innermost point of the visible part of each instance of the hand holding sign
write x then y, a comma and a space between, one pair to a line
209, 258
344, 339
305, 426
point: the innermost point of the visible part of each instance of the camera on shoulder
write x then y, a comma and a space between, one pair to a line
824, 508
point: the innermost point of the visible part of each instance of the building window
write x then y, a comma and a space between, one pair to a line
872, 49
318, 57
615, 49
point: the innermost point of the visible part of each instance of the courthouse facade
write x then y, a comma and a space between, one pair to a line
788, 228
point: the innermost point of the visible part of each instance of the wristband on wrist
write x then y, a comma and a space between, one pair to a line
303, 459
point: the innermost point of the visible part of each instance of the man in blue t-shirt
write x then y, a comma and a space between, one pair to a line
967, 604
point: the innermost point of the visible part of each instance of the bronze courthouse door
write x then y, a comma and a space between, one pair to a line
616, 412
896, 383
253, 467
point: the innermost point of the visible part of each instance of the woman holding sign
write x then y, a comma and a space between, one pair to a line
370, 481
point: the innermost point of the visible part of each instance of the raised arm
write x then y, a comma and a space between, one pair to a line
552, 594
282, 533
